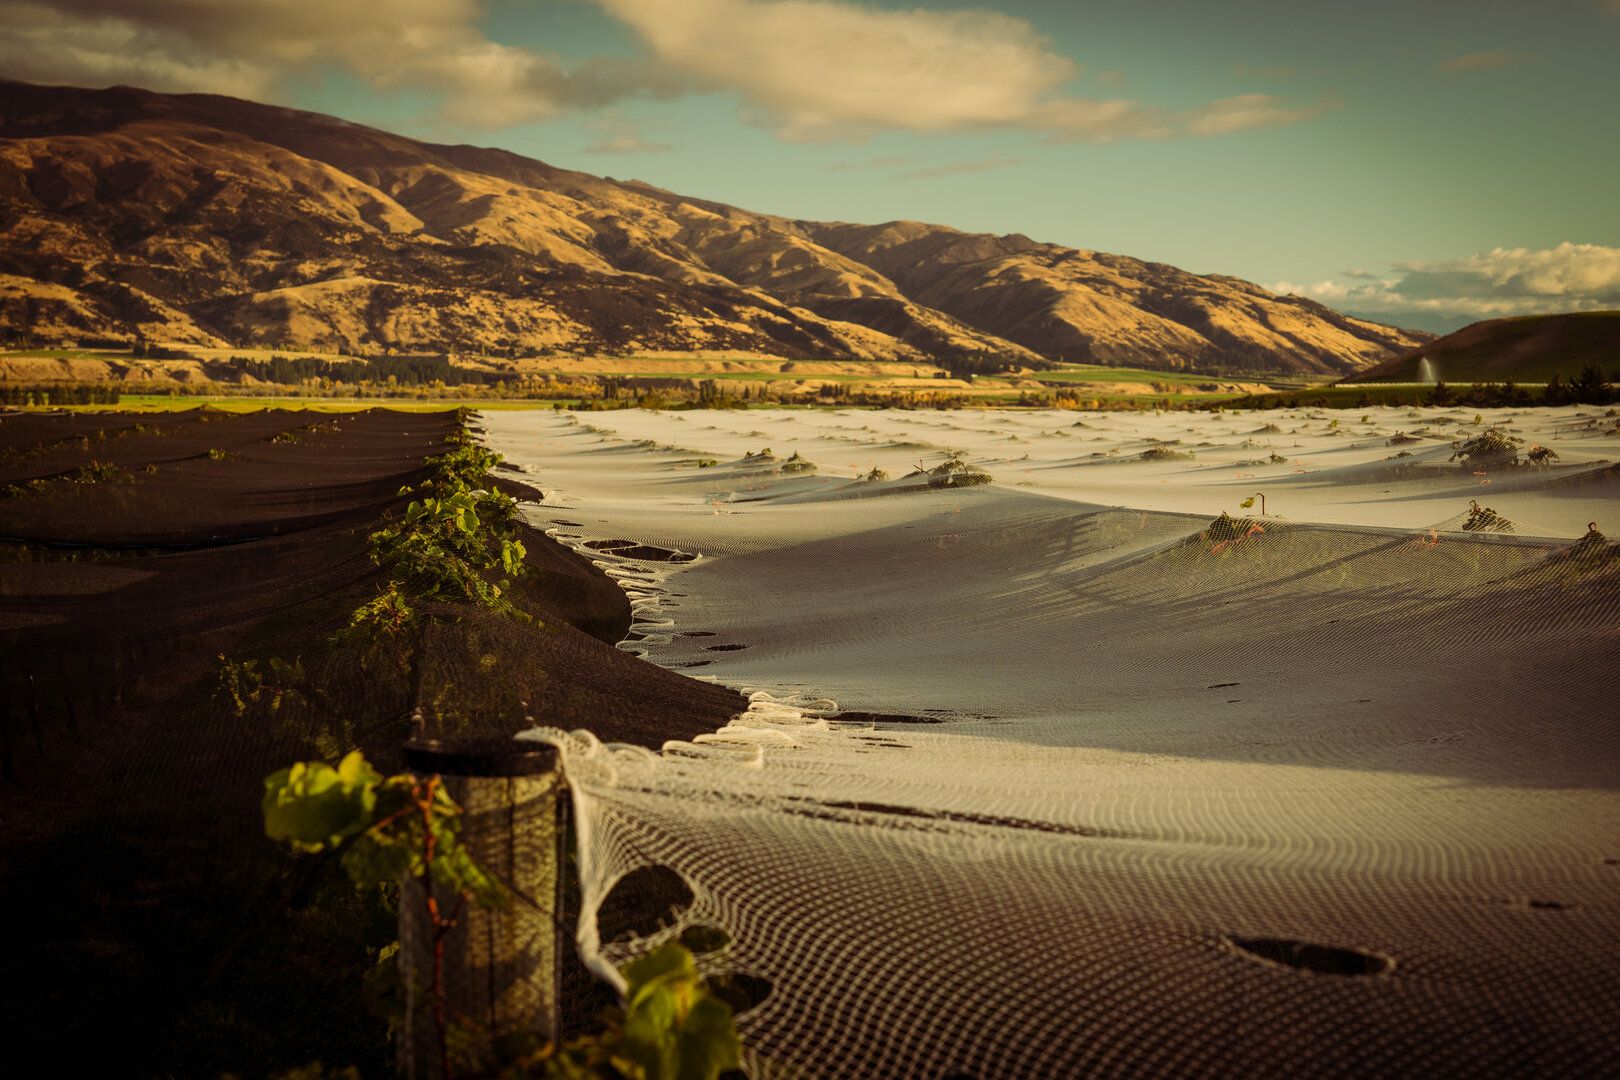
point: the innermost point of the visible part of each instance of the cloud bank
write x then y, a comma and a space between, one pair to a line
1492, 284
827, 69
808, 70
249, 48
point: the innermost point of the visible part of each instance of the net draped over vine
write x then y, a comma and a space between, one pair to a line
1066, 775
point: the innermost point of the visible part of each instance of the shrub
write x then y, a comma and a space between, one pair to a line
1484, 519
1487, 449
97, 473
969, 478
1226, 530
798, 463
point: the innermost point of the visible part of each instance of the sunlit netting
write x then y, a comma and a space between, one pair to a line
1078, 778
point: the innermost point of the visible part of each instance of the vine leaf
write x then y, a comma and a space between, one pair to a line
673, 1028
313, 806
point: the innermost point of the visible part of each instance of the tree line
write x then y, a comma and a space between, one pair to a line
397, 370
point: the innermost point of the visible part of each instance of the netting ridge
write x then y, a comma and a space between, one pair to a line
641, 579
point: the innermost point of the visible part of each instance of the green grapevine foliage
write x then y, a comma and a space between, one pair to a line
378, 826
672, 1025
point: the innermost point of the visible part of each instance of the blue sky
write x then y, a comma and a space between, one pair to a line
1433, 158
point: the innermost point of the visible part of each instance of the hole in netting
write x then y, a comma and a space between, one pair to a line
1537, 905
724, 648
741, 992
704, 939
1322, 959
627, 549
886, 718
570, 524
642, 902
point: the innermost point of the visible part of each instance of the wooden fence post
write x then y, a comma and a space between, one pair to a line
500, 967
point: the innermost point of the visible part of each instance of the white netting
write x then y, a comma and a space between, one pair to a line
1033, 784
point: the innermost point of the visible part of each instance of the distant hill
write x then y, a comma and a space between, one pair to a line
1415, 320
213, 221
1530, 349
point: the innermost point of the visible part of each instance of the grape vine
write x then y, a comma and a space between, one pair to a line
384, 830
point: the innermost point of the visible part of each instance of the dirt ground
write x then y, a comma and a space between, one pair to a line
138, 554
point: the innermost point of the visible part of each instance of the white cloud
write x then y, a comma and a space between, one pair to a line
1321, 290
832, 69
1491, 284
58, 45
1247, 112
806, 69
817, 68
248, 49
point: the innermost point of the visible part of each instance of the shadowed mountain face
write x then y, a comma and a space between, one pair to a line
210, 220
1530, 348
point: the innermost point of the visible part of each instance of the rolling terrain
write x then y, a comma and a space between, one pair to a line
1532, 348
211, 221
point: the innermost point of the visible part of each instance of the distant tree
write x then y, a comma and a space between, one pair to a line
1558, 391
1590, 387
1441, 395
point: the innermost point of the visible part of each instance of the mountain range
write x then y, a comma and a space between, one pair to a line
198, 219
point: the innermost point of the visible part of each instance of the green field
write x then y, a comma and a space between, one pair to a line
1097, 373
67, 354
237, 403
540, 382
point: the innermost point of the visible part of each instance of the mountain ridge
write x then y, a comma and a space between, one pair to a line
209, 220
